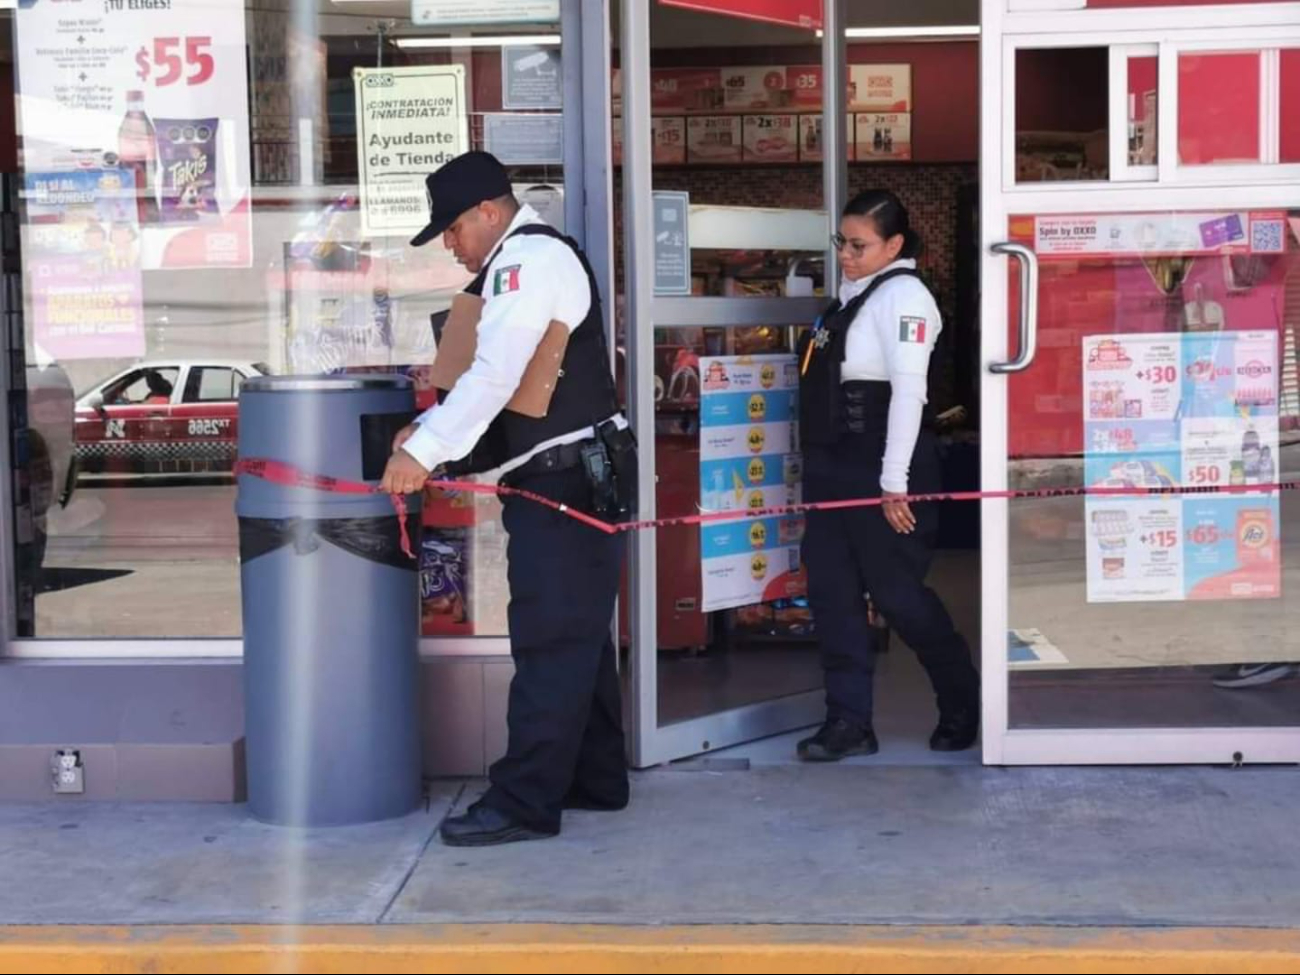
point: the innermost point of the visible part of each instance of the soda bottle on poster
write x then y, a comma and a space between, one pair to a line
137, 151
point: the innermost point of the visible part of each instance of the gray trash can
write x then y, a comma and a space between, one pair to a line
331, 606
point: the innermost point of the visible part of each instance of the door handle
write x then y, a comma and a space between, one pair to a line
1028, 331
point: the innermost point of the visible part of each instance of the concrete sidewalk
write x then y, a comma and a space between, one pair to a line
979, 863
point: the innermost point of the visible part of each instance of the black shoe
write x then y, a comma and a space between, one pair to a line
484, 826
581, 801
956, 731
838, 739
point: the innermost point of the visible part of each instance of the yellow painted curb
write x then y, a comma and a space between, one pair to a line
583, 948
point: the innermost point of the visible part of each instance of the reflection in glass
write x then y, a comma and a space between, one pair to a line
204, 209
1172, 365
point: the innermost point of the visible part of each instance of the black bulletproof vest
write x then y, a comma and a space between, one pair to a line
584, 392
822, 398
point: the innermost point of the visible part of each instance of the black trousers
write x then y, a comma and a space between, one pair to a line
854, 551
565, 707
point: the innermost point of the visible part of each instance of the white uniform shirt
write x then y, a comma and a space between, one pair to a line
531, 281
890, 340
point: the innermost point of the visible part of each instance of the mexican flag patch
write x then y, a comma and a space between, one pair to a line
506, 279
911, 329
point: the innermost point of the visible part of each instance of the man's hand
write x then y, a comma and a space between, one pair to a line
404, 474
403, 435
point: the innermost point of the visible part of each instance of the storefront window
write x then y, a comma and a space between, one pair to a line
1062, 124
1289, 105
738, 129
1219, 108
1143, 109
1168, 362
210, 191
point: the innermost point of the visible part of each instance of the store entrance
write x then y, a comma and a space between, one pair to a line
715, 661
729, 192
1135, 246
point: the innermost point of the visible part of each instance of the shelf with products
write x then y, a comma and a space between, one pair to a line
682, 622
783, 139
678, 350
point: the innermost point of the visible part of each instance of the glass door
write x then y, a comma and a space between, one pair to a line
724, 204
1142, 401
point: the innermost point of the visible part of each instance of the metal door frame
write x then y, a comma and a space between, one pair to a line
650, 742
1006, 26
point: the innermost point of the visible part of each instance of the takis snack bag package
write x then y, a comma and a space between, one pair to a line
187, 165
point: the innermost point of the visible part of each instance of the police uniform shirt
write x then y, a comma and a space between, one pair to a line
531, 281
890, 340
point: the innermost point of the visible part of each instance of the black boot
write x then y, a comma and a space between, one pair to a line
838, 738
956, 731
484, 826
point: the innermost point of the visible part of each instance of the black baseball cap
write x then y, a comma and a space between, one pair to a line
460, 184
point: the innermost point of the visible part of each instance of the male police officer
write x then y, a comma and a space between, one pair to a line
565, 721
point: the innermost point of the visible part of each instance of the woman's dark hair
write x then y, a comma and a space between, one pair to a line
889, 215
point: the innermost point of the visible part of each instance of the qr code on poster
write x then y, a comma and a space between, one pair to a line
1266, 236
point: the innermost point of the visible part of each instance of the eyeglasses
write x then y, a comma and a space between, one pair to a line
856, 247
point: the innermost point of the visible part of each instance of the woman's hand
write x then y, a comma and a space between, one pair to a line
898, 513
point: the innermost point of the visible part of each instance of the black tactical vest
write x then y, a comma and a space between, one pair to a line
584, 393
822, 398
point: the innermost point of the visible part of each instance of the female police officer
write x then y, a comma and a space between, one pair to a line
865, 433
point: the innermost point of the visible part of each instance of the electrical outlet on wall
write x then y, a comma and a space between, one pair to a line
69, 775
